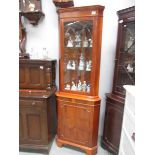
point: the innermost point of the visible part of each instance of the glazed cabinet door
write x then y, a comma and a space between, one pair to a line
33, 125
75, 123
112, 126
125, 57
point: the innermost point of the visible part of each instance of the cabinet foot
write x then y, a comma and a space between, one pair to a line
59, 144
87, 150
91, 152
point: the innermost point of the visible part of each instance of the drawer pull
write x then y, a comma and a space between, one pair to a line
33, 103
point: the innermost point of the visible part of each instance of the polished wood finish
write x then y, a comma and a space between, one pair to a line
125, 16
115, 100
78, 112
78, 119
37, 74
37, 105
37, 120
33, 17
112, 123
63, 3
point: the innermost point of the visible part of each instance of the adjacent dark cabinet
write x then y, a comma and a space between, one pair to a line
36, 74
124, 74
78, 102
37, 105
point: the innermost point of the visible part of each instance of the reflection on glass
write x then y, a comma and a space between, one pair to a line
126, 67
78, 56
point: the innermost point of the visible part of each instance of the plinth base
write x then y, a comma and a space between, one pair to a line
88, 150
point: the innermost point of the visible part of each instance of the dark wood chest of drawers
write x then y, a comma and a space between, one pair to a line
37, 107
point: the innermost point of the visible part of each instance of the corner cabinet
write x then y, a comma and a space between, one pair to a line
78, 102
124, 74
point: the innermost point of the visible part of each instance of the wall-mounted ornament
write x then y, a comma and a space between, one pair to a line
32, 10
63, 3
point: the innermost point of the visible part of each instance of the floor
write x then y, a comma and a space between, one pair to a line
67, 151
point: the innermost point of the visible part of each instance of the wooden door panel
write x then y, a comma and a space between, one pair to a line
36, 126
34, 75
22, 75
76, 123
113, 119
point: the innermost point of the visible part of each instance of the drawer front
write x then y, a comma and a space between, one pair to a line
32, 103
128, 122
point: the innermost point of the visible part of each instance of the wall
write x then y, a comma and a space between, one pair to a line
46, 34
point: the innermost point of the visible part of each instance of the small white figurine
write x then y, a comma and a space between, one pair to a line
67, 87
31, 6
77, 37
81, 62
69, 65
85, 43
84, 86
73, 65
88, 88
78, 44
88, 65
130, 68
70, 42
90, 42
74, 88
79, 86
77, 40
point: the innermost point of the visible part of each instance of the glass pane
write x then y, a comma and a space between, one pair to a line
126, 67
78, 56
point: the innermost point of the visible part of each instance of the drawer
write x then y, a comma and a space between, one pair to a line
32, 103
128, 122
127, 144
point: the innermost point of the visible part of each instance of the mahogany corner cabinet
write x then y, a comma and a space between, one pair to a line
78, 102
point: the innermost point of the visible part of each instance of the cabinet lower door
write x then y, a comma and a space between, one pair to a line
112, 126
76, 123
33, 126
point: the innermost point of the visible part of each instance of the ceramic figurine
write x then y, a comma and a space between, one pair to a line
85, 43
130, 68
81, 62
74, 88
88, 88
67, 87
79, 86
77, 37
78, 44
88, 65
73, 65
90, 42
84, 86
69, 65
31, 6
70, 42
77, 40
